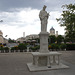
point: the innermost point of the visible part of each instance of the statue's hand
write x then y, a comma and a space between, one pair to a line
48, 14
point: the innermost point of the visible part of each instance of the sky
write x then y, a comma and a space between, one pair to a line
23, 16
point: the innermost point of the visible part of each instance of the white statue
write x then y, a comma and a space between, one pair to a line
43, 15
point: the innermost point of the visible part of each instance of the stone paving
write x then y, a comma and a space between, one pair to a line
15, 64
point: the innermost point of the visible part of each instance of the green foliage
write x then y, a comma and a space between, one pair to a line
18, 42
12, 48
16, 48
6, 48
60, 39
54, 46
70, 46
35, 48
62, 46
11, 41
68, 21
1, 48
52, 39
49, 47
22, 46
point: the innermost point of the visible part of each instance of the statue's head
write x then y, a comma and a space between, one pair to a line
44, 7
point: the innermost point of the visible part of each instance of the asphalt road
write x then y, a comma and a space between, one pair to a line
15, 64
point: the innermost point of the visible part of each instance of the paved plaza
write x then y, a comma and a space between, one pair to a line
16, 64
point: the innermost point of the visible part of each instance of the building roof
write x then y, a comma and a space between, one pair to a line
52, 28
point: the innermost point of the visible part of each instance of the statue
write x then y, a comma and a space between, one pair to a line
43, 15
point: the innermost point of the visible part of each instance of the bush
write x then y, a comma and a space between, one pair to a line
54, 46
2, 49
1, 45
70, 46
6, 49
35, 48
49, 47
62, 46
12, 49
16, 48
22, 47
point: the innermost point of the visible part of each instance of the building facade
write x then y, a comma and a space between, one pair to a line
52, 32
2, 39
27, 38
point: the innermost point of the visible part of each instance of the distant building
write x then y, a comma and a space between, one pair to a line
2, 39
27, 38
33, 36
23, 34
52, 32
21, 39
56, 33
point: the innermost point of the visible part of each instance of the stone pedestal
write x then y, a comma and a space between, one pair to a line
46, 61
44, 42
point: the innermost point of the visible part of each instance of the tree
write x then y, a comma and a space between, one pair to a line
52, 39
22, 46
60, 39
68, 21
11, 41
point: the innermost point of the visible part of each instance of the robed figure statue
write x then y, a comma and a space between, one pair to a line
43, 15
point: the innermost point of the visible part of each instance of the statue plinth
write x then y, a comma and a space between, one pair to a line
44, 42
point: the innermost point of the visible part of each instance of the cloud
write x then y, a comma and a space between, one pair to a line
29, 16
15, 32
6, 5
26, 20
52, 18
55, 5
54, 15
21, 18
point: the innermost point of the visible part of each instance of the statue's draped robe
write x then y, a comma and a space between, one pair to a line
43, 15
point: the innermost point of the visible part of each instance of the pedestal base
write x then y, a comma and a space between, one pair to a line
46, 61
45, 68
